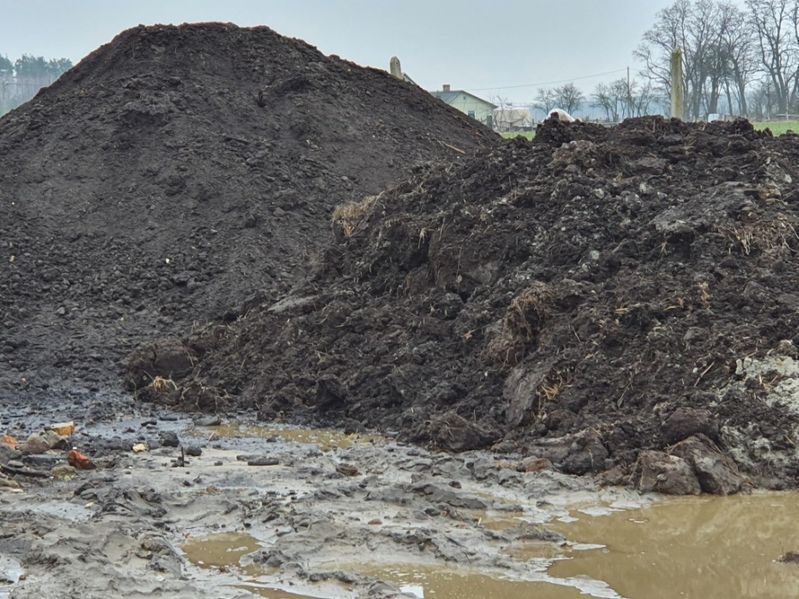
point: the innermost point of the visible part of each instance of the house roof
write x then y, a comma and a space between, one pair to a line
449, 97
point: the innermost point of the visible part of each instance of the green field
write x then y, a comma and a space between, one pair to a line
777, 128
512, 134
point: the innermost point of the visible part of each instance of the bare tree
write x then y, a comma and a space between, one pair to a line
568, 97
738, 45
605, 98
775, 28
716, 40
545, 99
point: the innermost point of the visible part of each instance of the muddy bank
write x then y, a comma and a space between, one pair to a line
582, 298
275, 510
250, 510
178, 173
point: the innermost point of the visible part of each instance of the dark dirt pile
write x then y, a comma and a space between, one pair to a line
177, 172
582, 297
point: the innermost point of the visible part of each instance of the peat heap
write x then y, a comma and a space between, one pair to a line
178, 171
611, 300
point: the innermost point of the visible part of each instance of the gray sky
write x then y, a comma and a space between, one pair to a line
467, 43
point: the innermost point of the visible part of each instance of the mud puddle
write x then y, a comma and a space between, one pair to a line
712, 547
220, 550
324, 439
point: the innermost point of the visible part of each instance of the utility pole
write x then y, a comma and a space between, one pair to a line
677, 90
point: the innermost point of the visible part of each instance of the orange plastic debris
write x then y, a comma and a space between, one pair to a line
9, 441
77, 460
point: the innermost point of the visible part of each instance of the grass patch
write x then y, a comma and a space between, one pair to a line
778, 127
511, 134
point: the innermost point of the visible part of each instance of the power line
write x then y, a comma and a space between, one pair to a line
484, 89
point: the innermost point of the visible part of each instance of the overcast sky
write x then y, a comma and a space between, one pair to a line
467, 43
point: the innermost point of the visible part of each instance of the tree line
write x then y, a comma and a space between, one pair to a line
22, 78
737, 59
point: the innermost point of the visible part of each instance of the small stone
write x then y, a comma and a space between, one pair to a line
36, 443
54, 440
139, 448
194, 451
169, 439
63, 472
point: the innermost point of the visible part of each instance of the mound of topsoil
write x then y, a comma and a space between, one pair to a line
584, 297
178, 171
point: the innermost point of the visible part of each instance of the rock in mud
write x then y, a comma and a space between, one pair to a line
684, 422
169, 439
587, 453
716, 472
8, 453
194, 451
38, 443
262, 461
659, 472
63, 472
453, 432
208, 421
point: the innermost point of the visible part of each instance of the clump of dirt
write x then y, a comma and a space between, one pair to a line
177, 174
583, 299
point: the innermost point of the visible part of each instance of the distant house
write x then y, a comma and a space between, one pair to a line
475, 107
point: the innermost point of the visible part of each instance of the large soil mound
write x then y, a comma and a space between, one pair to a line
589, 295
177, 171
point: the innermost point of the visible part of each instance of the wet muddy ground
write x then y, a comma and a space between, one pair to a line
277, 512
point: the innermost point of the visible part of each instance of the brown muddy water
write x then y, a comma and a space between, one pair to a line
221, 550
708, 547
324, 439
